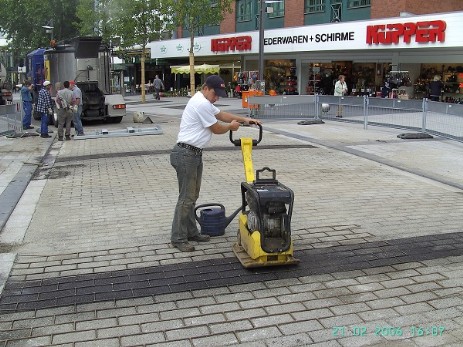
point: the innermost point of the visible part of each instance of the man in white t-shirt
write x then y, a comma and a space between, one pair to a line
200, 120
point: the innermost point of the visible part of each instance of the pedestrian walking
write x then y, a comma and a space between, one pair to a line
45, 108
64, 105
77, 100
200, 119
158, 85
340, 89
26, 98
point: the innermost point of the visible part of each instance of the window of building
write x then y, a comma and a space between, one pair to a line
314, 6
358, 3
243, 10
278, 9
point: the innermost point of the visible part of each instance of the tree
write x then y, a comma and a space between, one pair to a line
193, 15
22, 21
138, 22
94, 18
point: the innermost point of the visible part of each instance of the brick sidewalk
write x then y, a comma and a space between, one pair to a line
381, 249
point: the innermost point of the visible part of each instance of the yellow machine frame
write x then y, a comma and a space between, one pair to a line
248, 246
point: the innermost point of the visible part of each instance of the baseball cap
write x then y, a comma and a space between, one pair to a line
216, 83
46, 83
72, 82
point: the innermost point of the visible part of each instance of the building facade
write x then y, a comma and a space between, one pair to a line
308, 43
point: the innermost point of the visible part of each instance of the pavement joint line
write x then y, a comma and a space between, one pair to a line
167, 151
214, 273
372, 157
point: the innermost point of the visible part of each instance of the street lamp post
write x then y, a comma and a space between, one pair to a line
261, 40
262, 12
49, 29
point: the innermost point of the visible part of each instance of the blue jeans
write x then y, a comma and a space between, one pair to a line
189, 167
27, 107
44, 123
78, 122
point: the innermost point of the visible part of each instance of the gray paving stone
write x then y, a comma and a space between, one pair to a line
116, 312
161, 326
117, 331
373, 315
142, 339
340, 320
301, 339
349, 308
217, 308
258, 334
34, 341
180, 313
190, 332
230, 326
100, 343
385, 303
215, 340
360, 297
204, 319
89, 335
246, 314
234, 297
53, 329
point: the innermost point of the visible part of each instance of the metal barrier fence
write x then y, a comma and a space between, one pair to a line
11, 119
438, 118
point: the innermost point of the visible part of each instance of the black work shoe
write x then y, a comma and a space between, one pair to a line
45, 135
184, 246
28, 127
60, 139
199, 238
68, 138
339, 116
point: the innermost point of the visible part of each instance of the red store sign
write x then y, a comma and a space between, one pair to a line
226, 44
420, 32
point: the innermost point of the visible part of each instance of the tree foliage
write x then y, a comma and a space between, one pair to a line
22, 21
193, 15
137, 23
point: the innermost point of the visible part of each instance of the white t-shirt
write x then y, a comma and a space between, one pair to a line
198, 116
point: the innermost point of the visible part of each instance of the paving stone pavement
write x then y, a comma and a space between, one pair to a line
377, 224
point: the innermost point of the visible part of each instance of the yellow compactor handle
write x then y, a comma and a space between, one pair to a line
246, 150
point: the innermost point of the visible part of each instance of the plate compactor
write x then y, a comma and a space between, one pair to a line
264, 235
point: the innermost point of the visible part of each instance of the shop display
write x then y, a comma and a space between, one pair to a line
281, 77
451, 76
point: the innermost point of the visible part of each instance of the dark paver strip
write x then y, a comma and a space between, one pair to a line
200, 275
167, 151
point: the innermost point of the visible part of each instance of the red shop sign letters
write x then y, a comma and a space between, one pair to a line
420, 32
226, 44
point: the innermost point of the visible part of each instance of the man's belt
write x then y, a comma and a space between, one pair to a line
197, 150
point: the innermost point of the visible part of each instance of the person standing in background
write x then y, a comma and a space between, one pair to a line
340, 89
158, 85
77, 100
435, 88
26, 97
45, 108
64, 104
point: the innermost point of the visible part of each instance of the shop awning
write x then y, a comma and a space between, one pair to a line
200, 69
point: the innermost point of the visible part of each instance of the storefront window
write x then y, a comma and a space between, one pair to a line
280, 76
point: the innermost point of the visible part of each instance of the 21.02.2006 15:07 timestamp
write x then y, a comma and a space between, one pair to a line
412, 331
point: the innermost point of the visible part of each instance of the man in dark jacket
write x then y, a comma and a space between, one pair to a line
435, 88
